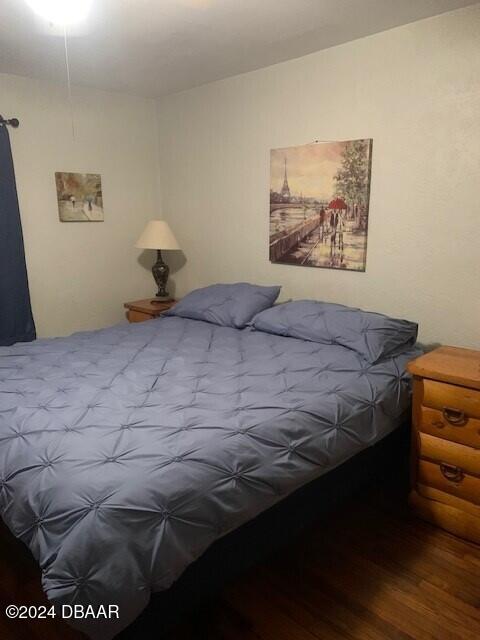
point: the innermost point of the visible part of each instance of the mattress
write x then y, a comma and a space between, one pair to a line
126, 452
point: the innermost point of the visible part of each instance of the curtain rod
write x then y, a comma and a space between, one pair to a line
13, 122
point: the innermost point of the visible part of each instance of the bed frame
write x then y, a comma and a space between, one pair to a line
245, 547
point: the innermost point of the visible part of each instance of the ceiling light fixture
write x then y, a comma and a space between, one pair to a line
61, 12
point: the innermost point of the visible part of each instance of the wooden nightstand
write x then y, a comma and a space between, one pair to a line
446, 440
141, 310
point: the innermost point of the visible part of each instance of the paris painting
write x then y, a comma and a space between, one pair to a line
79, 197
319, 197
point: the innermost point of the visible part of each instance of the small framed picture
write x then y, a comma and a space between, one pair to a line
79, 197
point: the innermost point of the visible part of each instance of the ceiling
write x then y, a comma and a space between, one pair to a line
156, 47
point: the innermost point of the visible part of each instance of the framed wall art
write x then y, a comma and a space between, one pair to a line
319, 199
79, 197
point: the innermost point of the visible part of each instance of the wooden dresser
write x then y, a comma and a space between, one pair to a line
446, 440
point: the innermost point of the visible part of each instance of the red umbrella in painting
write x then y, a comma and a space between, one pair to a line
337, 204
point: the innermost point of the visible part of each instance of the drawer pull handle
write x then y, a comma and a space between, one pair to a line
454, 474
454, 416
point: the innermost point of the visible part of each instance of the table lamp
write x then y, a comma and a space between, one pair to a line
158, 235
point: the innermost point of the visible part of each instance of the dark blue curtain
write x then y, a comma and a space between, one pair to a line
16, 320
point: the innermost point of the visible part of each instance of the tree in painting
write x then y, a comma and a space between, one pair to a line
352, 179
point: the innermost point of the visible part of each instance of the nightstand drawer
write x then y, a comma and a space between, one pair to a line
453, 514
433, 422
138, 316
446, 498
450, 453
450, 479
457, 404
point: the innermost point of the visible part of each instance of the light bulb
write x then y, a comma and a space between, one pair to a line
61, 12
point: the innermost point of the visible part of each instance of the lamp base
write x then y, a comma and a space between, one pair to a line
161, 300
160, 272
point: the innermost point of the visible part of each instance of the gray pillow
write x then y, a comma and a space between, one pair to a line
229, 305
372, 335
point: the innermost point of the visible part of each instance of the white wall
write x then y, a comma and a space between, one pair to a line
81, 273
416, 91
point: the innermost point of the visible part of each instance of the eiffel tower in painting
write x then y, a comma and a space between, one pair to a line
285, 192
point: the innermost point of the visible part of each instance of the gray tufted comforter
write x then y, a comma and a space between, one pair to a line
125, 452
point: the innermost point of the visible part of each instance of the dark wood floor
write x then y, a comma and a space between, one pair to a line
372, 572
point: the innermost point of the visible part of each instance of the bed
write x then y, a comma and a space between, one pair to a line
125, 453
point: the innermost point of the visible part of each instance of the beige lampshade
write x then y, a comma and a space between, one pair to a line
157, 235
